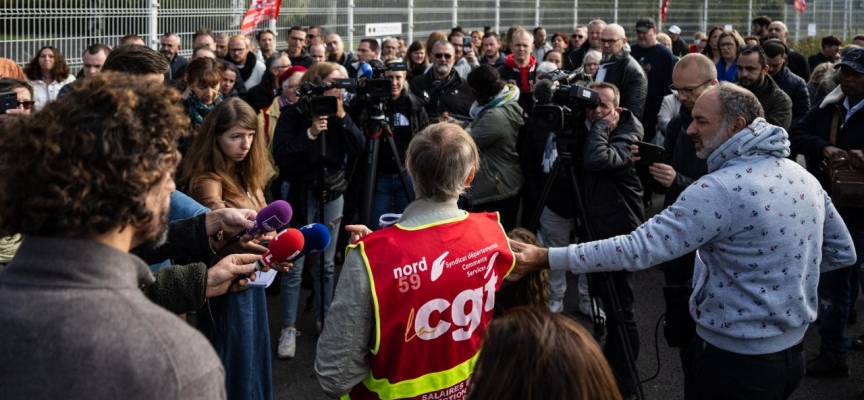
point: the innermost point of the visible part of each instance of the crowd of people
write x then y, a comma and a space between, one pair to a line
171, 159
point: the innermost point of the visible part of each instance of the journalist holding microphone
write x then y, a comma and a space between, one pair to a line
312, 163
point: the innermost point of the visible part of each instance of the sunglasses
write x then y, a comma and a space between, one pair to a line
27, 105
577, 36
443, 55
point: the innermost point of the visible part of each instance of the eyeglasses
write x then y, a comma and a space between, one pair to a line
443, 55
311, 36
726, 45
577, 36
609, 41
687, 91
27, 105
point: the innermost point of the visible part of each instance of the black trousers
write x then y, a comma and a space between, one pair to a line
712, 373
614, 349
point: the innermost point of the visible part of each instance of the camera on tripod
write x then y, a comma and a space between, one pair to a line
313, 100
557, 98
376, 86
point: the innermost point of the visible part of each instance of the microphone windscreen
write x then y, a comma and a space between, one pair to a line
272, 218
286, 246
365, 70
317, 238
543, 91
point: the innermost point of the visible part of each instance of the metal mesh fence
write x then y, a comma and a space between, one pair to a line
72, 25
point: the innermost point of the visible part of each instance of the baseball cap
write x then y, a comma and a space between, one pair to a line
675, 29
854, 59
290, 71
645, 24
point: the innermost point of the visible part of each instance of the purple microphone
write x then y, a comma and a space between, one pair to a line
272, 218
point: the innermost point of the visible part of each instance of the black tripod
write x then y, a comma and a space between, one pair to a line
565, 142
375, 127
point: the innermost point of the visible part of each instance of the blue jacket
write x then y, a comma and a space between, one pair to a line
763, 229
727, 75
796, 88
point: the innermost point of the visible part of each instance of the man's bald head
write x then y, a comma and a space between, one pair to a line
778, 30
698, 65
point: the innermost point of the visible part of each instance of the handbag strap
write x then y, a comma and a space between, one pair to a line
834, 121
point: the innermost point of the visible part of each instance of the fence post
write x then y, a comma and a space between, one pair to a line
498, 16
847, 9
749, 17
831, 18
705, 17
455, 13
536, 13
660, 17
410, 22
351, 24
575, 13
153, 22
615, 17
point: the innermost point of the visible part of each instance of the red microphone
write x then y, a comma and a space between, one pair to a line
285, 246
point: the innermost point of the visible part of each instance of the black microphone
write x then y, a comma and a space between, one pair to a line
543, 91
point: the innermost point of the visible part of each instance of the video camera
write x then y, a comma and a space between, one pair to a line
557, 98
313, 100
376, 86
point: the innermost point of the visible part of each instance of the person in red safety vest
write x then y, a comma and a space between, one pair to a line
414, 299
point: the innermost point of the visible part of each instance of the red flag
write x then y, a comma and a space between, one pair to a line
799, 6
259, 10
663, 10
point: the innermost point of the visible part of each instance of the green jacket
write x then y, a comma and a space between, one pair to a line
495, 131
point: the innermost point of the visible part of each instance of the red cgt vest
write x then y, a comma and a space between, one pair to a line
433, 288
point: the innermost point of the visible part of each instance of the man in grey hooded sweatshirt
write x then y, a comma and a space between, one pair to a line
764, 230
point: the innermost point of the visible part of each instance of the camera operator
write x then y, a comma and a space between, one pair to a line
311, 176
406, 117
612, 196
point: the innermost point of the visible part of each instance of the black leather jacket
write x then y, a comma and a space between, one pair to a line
625, 72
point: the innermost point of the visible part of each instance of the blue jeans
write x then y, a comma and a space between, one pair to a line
241, 337
291, 280
389, 197
182, 207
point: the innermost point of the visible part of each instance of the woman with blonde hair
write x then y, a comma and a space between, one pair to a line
228, 165
434, 37
532, 354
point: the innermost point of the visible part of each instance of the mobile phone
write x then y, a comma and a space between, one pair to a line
8, 101
466, 44
649, 153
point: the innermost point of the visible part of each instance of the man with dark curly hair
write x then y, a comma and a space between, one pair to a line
84, 182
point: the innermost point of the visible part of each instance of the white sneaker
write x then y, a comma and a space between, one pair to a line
288, 343
556, 306
585, 308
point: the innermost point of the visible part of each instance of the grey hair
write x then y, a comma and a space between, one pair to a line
593, 54
443, 43
736, 101
220, 35
439, 159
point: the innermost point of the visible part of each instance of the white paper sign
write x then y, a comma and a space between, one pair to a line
728, 27
386, 29
811, 29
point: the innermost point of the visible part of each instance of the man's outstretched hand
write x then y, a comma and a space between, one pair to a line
529, 258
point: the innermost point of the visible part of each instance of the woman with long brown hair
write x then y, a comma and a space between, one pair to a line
228, 165
711, 50
418, 59
47, 73
532, 354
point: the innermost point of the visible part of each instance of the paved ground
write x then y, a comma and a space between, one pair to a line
295, 379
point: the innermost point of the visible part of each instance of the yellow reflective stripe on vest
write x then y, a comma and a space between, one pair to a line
362, 246
428, 383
